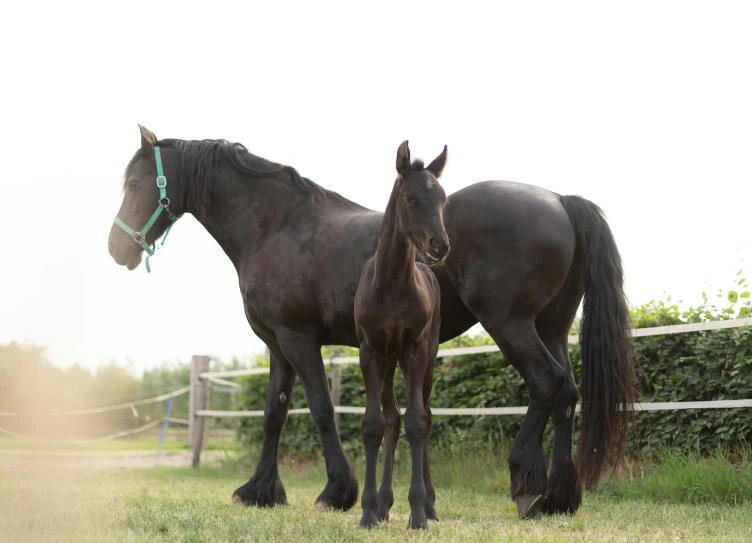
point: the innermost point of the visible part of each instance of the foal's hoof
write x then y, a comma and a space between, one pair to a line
529, 505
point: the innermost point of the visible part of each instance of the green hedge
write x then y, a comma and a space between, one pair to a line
695, 366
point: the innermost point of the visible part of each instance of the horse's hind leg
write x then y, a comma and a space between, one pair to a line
544, 378
564, 493
304, 354
564, 488
391, 411
265, 487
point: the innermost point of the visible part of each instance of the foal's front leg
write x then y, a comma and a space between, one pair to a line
391, 436
373, 431
416, 425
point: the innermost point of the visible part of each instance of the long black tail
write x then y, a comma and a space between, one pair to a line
608, 384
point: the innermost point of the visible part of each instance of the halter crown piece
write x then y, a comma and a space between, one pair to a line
163, 204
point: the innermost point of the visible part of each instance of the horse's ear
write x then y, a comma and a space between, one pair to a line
437, 166
403, 159
148, 139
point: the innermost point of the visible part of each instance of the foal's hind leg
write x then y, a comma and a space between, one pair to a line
414, 367
544, 378
427, 388
392, 418
564, 488
265, 487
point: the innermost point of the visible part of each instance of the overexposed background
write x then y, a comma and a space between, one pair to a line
642, 107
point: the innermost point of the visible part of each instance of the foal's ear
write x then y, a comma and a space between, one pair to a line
403, 159
437, 166
148, 139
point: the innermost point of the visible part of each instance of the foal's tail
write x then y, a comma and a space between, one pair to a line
606, 343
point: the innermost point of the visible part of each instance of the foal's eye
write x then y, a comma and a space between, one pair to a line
409, 200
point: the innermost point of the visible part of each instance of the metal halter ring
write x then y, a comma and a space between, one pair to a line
162, 202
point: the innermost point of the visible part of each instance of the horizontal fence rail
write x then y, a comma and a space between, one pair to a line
128, 405
169, 396
205, 377
645, 406
124, 433
637, 332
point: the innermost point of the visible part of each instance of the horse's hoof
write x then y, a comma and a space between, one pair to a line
417, 522
529, 505
431, 513
321, 506
341, 492
368, 520
260, 493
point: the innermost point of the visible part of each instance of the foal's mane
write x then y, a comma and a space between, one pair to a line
200, 161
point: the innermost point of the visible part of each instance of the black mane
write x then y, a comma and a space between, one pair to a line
201, 159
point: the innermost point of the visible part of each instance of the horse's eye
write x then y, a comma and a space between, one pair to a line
132, 184
410, 200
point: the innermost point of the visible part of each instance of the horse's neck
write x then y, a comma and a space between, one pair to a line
244, 213
395, 254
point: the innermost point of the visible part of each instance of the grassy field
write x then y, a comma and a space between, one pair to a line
685, 501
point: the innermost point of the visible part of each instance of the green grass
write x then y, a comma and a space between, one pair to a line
181, 504
687, 478
114, 446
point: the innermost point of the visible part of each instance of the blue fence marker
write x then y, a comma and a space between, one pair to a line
166, 421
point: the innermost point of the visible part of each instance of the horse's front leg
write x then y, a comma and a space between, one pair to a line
265, 487
416, 425
373, 431
304, 354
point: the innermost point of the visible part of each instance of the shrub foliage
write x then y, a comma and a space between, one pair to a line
696, 366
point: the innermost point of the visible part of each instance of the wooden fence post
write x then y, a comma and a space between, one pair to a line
198, 401
336, 386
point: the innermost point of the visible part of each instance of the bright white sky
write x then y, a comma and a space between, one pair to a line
643, 107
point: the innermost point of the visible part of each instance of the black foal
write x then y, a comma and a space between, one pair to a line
397, 320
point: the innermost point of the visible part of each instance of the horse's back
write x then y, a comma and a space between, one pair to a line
512, 247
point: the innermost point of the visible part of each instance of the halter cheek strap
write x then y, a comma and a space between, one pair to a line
162, 205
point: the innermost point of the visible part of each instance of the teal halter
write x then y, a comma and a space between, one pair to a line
162, 205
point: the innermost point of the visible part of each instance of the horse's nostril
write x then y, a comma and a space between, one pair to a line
435, 244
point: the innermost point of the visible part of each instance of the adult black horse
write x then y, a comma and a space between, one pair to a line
521, 260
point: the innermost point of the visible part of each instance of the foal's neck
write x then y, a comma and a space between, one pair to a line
395, 254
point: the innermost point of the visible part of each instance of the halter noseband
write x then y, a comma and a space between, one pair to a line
163, 204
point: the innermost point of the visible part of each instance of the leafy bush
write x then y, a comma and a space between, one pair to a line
697, 366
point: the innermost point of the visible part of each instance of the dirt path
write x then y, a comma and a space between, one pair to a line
34, 460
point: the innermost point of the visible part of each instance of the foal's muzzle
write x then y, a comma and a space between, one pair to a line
437, 250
